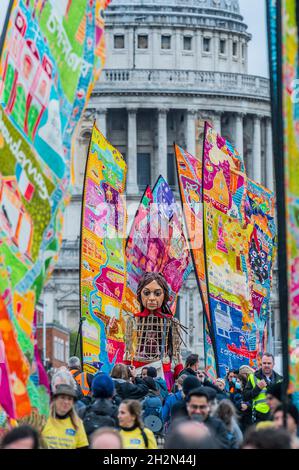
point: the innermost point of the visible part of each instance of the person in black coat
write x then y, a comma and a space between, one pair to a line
102, 411
178, 409
127, 384
198, 408
191, 365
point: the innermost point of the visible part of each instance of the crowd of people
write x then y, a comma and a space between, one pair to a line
126, 410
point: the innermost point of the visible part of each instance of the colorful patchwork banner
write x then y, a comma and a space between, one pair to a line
52, 55
290, 71
227, 236
137, 251
156, 243
189, 171
259, 208
177, 264
103, 268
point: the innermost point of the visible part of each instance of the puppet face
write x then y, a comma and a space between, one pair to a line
152, 296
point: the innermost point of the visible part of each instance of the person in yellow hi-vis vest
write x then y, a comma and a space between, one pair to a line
256, 388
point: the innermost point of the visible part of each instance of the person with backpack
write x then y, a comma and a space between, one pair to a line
161, 383
101, 412
171, 399
152, 407
83, 379
134, 434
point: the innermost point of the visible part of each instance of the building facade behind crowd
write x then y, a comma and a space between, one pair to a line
164, 74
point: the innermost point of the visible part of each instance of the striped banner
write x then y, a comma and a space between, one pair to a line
102, 265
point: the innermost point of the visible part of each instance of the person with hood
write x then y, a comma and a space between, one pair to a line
101, 412
161, 383
127, 384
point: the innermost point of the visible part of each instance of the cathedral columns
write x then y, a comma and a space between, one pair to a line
161, 163
191, 131
217, 122
239, 134
269, 156
257, 150
101, 121
132, 186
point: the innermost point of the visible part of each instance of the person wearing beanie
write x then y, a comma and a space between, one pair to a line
274, 393
102, 412
161, 383
179, 409
292, 421
102, 386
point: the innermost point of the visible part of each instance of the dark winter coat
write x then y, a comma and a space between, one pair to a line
127, 390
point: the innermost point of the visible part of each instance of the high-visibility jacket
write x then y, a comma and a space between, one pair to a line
259, 403
81, 379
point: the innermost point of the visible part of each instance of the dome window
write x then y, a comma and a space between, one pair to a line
235, 49
222, 46
207, 44
119, 41
142, 41
187, 43
243, 51
165, 41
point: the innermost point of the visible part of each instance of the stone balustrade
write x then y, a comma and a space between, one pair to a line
183, 82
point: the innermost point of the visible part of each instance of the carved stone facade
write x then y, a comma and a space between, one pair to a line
170, 65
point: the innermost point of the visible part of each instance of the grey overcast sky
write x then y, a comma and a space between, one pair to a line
254, 13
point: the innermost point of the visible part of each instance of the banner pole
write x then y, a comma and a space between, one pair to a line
5, 26
278, 152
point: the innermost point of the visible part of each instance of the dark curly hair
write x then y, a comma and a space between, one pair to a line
146, 279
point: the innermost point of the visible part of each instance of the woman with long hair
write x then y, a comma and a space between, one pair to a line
228, 415
132, 430
64, 429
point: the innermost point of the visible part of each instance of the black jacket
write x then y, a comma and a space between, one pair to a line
127, 390
188, 371
100, 413
219, 431
251, 392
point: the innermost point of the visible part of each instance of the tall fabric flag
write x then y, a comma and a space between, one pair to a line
156, 243
137, 251
189, 171
52, 55
286, 147
259, 208
103, 267
227, 236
